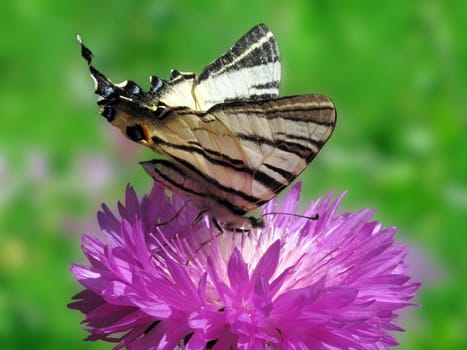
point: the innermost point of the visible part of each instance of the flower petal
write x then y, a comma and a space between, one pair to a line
327, 283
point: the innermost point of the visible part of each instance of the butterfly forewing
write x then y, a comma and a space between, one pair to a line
280, 137
242, 154
204, 146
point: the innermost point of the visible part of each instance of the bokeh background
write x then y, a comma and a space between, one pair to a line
397, 71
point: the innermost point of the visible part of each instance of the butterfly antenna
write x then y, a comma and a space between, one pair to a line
314, 217
202, 245
175, 216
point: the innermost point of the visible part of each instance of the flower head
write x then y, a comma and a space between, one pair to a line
157, 281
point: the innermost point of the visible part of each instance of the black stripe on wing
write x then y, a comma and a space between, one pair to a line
222, 159
293, 108
296, 148
257, 47
166, 172
216, 158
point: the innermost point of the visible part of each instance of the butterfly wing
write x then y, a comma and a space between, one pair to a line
201, 148
249, 70
279, 138
231, 144
238, 156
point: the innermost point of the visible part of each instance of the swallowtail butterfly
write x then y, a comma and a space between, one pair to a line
230, 143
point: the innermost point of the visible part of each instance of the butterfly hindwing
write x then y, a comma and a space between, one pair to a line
249, 70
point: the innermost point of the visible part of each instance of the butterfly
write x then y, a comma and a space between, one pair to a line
230, 143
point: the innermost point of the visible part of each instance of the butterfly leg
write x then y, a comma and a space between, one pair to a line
163, 223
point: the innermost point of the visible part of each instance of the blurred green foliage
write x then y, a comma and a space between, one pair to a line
397, 71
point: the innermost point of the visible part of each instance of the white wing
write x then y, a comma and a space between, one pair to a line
249, 70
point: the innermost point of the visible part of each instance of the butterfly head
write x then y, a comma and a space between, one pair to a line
126, 105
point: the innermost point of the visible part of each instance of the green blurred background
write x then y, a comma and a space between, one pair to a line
397, 72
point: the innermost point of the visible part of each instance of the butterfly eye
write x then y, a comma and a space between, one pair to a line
135, 133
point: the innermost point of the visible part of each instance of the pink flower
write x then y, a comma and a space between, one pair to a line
156, 281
